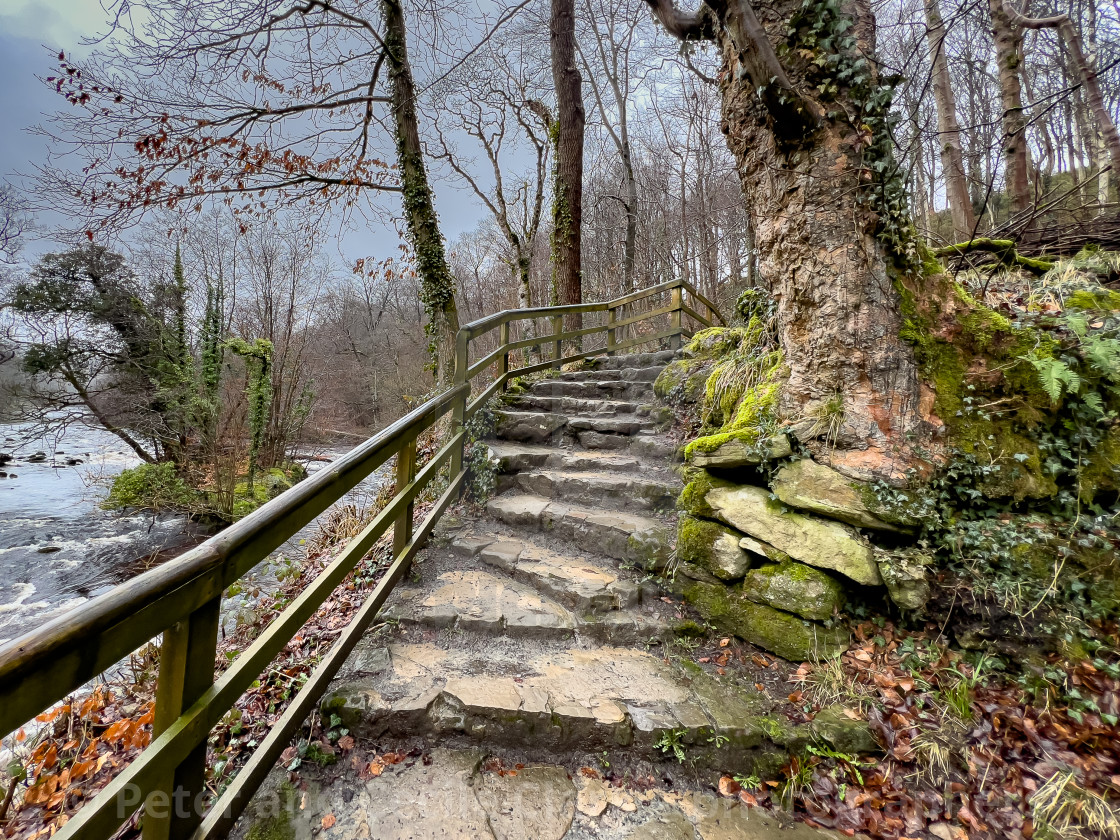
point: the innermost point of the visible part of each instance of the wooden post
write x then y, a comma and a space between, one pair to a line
557, 330
186, 671
406, 471
675, 318
611, 342
503, 362
459, 412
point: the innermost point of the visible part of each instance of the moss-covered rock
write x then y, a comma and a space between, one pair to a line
810, 486
712, 547
906, 575
682, 380
836, 726
818, 542
796, 588
692, 499
739, 448
785, 634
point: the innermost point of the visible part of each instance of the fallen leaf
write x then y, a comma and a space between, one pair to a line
328, 821
346, 742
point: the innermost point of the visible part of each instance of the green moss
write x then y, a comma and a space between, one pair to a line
150, 487
774, 630
978, 364
688, 629
692, 499
682, 380
1102, 472
276, 827
694, 540
1101, 299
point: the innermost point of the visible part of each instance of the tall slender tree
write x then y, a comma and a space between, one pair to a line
567, 199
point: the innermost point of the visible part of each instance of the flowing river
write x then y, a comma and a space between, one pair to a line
58, 548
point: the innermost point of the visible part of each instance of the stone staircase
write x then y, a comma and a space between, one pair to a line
536, 633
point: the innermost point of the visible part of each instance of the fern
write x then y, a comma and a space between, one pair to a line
1094, 401
1055, 376
1103, 354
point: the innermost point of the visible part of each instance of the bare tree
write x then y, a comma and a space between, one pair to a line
253, 106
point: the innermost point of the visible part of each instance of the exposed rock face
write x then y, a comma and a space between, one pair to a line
796, 588
906, 575
817, 542
810, 486
787, 635
738, 452
712, 547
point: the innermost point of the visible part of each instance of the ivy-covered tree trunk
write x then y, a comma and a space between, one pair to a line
567, 207
436, 282
806, 117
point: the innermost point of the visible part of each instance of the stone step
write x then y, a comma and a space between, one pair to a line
488, 604
469, 793
573, 579
519, 693
520, 457
540, 426
606, 489
624, 536
574, 405
633, 360
596, 390
599, 374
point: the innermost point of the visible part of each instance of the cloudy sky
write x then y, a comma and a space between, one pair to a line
31, 34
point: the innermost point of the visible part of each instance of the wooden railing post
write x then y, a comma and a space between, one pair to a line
406, 471
675, 318
503, 362
611, 342
186, 670
557, 330
459, 412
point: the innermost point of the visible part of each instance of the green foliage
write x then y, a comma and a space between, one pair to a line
821, 37
258, 389
482, 473
152, 487
672, 741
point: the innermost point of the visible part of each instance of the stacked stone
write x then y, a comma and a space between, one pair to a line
775, 565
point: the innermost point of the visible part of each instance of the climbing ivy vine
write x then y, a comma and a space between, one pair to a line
820, 34
258, 389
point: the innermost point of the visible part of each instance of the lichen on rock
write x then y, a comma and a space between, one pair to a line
807, 485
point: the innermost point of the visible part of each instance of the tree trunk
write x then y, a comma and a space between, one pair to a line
567, 207
952, 156
629, 276
832, 252
1008, 44
437, 286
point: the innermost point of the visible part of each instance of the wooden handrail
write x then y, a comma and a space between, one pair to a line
181, 598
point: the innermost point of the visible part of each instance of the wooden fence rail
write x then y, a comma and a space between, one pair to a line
181, 599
